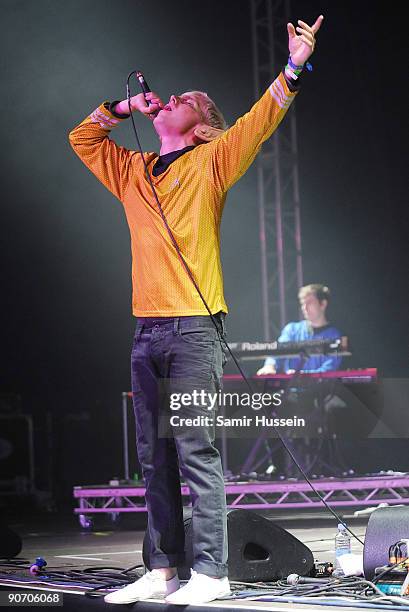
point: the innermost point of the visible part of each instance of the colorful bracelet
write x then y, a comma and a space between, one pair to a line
294, 71
290, 73
296, 68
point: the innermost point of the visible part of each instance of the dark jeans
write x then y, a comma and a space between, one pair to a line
186, 353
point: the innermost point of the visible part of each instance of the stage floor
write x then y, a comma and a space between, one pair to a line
60, 541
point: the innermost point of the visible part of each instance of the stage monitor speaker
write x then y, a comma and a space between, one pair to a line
259, 550
385, 527
10, 543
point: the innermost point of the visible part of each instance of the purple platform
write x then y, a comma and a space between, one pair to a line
363, 491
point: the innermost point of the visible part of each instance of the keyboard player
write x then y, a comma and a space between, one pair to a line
314, 300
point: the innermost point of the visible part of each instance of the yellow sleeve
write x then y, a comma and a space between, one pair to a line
234, 151
109, 162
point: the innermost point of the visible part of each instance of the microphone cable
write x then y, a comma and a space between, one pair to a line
220, 335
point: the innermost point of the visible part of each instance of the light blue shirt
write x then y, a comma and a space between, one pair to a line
300, 331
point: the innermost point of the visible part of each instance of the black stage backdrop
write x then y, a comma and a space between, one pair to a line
66, 292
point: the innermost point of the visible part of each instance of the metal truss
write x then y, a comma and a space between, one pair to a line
277, 177
365, 491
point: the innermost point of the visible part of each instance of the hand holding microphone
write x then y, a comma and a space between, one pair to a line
148, 103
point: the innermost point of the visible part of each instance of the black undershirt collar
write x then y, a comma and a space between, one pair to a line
163, 162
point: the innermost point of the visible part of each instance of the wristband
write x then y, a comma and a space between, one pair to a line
115, 114
294, 66
290, 73
293, 71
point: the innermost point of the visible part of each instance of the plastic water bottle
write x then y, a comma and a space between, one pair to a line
342, 547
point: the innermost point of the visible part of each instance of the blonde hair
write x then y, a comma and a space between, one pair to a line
321, 292
212, 115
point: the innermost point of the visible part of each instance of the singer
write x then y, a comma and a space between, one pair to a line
175, 338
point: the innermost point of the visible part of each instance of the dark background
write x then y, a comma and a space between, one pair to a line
66, 290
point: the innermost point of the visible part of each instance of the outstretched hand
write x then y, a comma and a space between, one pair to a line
301, 46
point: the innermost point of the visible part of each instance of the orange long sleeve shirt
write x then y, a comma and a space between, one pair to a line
192, 192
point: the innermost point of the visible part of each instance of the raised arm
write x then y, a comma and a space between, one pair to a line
111, 164
234, 151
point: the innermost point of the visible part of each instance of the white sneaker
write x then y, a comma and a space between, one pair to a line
200, 589
151, 586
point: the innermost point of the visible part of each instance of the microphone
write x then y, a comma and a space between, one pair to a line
142, 82
145, 88
295, 579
